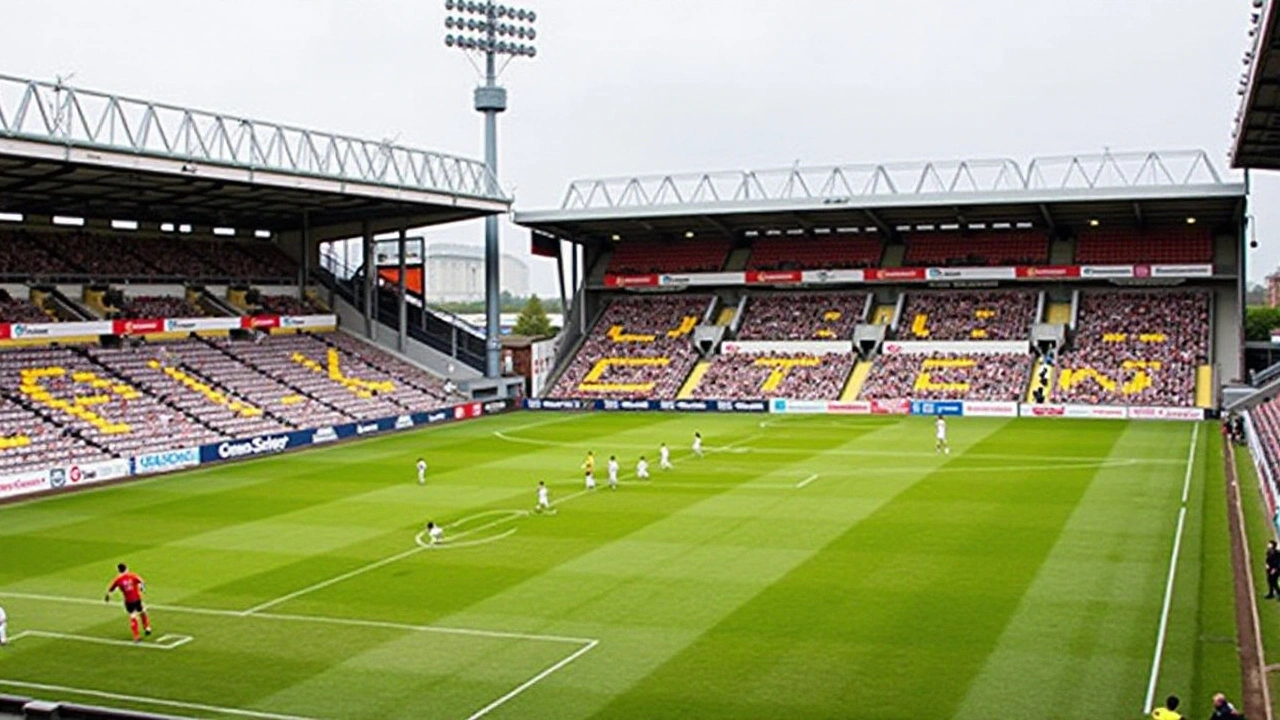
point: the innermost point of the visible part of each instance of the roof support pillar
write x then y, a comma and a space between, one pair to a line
370, 271
305, 268
403, 329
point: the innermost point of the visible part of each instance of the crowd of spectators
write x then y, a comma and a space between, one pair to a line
288, 305
1135, 348
653, 330
797, 376
948, 376
820, 252
17, 310
996, 315
1000, 248
157, 306
802, 316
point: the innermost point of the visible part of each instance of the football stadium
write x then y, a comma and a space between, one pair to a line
956, 438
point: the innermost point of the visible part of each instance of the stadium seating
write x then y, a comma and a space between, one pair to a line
998, 248
802, 316
28, 439
15, 310
949, 376
967, 316
820, 252
1135, 348
1123, 247
790, 375
639, 257
288, 305
1266, 425
116, 256
640, 347
158, 306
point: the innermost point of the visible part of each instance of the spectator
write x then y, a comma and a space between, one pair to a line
967, 316
802, 316
1223, 709
1273, 570
949, 376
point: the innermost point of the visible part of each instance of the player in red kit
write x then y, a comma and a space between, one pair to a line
131, 587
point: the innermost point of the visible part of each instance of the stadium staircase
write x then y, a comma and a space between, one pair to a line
1062, 252
737, 260
857, 378
695, 377
727, 313
894, 255
883, 315
1041, 377
1059, 313
1204, 386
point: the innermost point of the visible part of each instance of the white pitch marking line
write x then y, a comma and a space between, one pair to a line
1157, 656
532, 681
319, 619
334, 580
159, 644
806, 481
152, 701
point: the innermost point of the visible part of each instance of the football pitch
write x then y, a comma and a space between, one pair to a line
807, 566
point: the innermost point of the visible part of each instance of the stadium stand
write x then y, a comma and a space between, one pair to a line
1000, 248
949, 376
1175, 245
21, 311
790, 375
640, 347
820, 252
968, 316
288, 305
106, 256
802, 316
28, 439
638, 257
157, 306
1135, 348
1266, 424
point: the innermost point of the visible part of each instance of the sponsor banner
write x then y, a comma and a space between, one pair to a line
1165, 413
769, 277
1106, 271
1047, 272
780, 405
403, 422
856, 407
554, 404
970, 273
142, 326
197, 324
1182, 271
435, 416
468, 410
625, 405
166, 460
35, 331
833, 276
959, 347
894, 274
753, 406
365, 428
1103, 412
890, 407
90, 473
259, 322
937, 407
5, 331
303, 322
24, 483
542, 360
324, 435
254, 446
721, 278
630, 280
493, 407
803, 347
990, 409
1042, 410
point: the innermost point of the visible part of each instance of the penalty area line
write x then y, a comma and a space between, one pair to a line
805, 482
143, 700
533, 681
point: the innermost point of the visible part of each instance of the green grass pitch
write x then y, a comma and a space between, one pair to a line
805, 567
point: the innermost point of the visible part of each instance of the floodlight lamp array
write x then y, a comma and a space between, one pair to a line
487, 27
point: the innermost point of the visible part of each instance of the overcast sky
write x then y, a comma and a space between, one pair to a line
647, 86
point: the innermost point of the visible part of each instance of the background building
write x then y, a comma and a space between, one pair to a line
455, 273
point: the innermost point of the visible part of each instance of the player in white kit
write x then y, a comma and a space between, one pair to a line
435, 532
697, 444
4, 628
664, 457
422, 471
544, 499
613, 472
941, 433
642, 469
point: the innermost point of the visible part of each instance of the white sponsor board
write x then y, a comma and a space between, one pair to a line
55, 478
166, 460
1106, 271
1181, 271
196, 324
798, 406
849, 407
832, 276
778, 347
32, 481
542, 360
23, 331
1165, 413
971, 273
308, 321
990, 409
727, 278
1103, 412
90, 473
958, 347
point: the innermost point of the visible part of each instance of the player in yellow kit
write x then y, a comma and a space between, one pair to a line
589, 465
